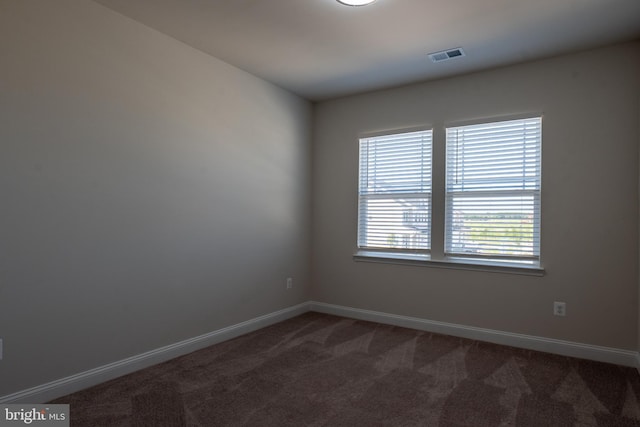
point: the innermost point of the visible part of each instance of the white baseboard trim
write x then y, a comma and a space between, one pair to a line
548, 345
80, 381
54, 389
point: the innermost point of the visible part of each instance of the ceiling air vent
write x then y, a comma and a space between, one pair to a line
446, 54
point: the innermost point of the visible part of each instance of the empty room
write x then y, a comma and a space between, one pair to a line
319, 213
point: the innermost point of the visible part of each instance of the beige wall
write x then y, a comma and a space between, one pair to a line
149, 193
589, 202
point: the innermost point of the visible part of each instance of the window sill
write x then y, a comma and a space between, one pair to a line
450, 263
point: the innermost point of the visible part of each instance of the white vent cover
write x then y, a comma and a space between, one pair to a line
446, 54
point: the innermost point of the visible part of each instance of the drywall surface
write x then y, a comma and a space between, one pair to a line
589, 103
150, 193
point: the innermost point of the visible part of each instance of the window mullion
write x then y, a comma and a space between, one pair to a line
438, 194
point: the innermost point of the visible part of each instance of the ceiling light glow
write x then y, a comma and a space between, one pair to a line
356, 2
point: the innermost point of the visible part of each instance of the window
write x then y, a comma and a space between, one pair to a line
493, 190
395, 192
489, 200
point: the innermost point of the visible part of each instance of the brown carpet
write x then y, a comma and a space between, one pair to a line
321, 370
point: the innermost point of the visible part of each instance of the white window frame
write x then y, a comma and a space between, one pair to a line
390, 191
437, 256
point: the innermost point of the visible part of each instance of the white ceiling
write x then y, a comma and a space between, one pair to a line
321, 49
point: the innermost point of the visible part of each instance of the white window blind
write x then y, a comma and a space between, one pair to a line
394, 203
493, 190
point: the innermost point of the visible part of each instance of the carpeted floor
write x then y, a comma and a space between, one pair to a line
321, 370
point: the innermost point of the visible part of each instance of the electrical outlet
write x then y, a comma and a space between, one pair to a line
289, 283
559, 308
